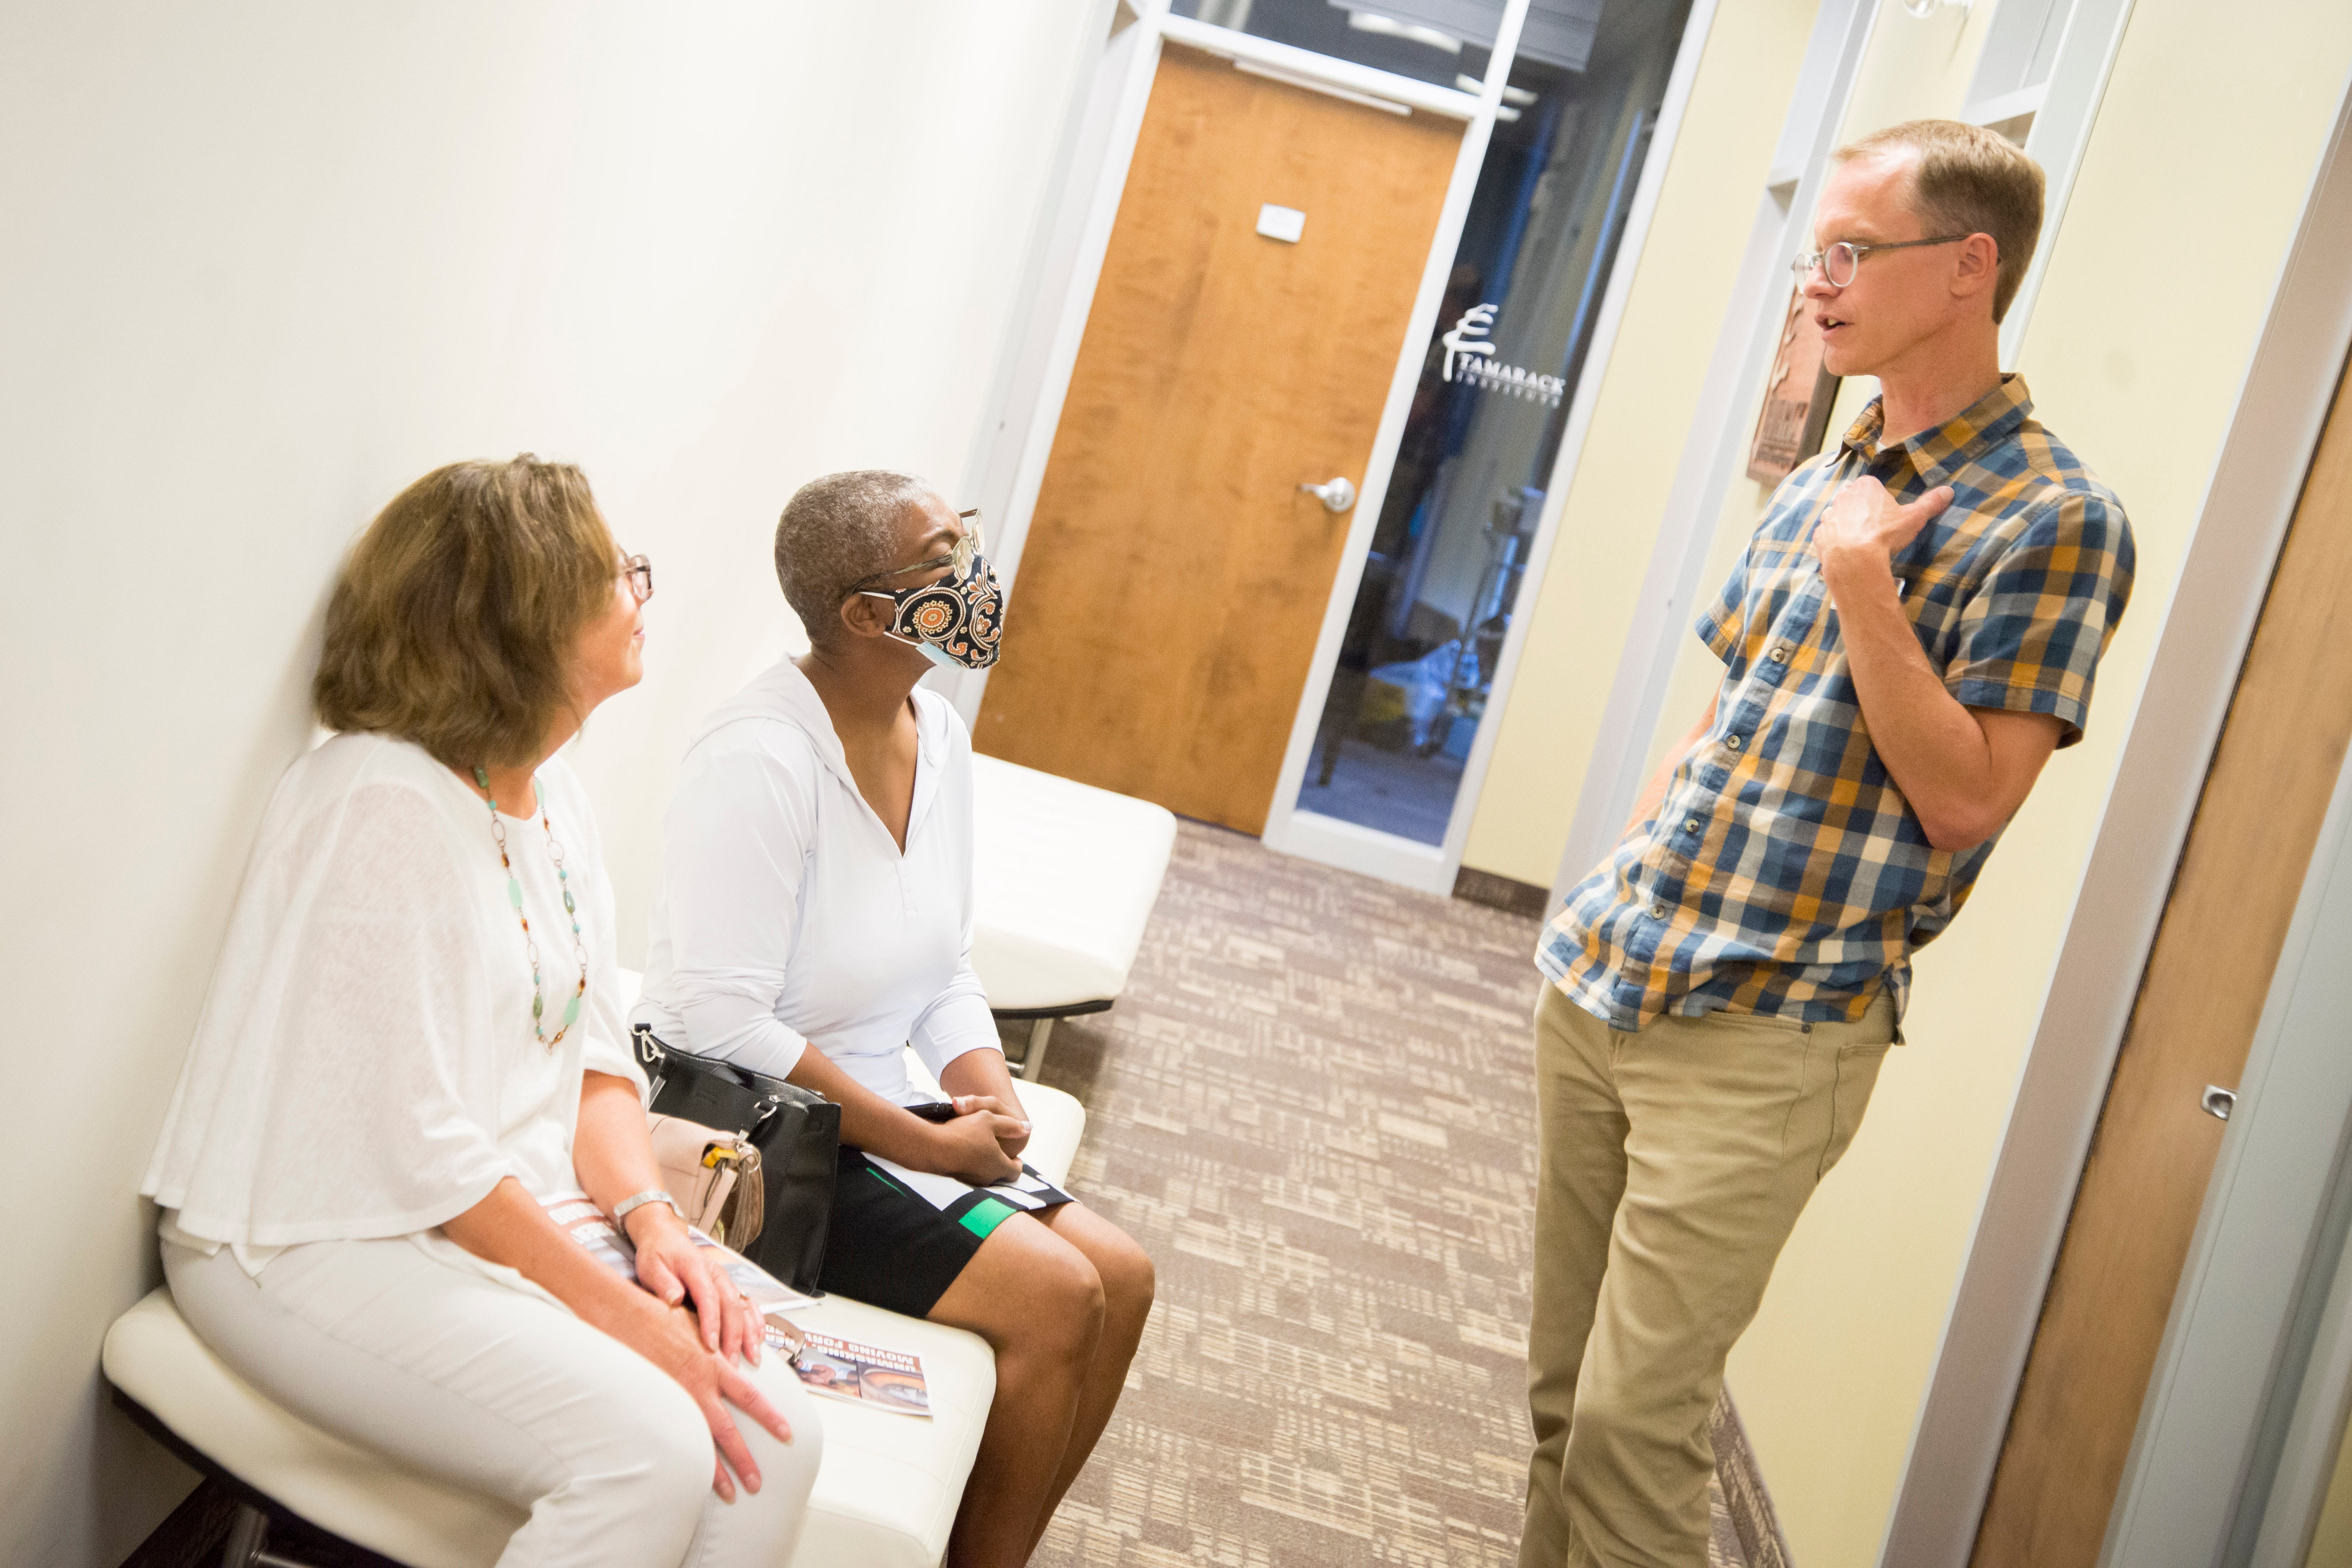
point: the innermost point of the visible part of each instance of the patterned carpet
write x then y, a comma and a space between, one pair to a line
1314, 1106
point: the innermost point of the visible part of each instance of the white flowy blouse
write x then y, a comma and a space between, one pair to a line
786, 915
365, 1065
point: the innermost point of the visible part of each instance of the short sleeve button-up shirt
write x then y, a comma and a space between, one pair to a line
1784, 872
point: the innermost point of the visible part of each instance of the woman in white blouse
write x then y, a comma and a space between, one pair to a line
816, 892
412, 1050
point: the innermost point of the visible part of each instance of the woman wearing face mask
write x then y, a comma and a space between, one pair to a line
814, 916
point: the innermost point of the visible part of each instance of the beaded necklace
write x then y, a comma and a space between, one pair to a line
514, 897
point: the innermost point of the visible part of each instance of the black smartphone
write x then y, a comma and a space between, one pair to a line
935, 1111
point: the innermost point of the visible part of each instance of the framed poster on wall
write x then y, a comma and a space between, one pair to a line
1798, 396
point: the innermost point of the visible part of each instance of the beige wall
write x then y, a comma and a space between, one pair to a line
2331, 1538
266, 262
2155, 297
1583, 606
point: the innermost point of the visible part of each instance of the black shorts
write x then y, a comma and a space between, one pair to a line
900, 1238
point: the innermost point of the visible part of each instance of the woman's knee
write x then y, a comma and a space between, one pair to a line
1130, 1281
1074, 1300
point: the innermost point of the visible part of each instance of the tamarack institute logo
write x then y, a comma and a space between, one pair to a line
1469, 352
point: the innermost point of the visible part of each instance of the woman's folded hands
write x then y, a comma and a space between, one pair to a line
980, 1145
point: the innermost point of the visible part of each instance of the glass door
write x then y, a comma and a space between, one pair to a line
1414, 677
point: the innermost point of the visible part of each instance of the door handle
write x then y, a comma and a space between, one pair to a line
1336, 496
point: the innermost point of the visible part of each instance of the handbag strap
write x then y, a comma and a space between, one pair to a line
650, 1057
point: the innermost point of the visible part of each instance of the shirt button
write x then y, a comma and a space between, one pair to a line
1690, 825
1657, 911
1732, 741
1781, 655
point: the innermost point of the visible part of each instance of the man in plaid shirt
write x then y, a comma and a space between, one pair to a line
1913, 630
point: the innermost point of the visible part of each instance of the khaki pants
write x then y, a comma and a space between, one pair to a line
1675, 1163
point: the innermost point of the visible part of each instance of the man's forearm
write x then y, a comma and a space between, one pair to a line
868, 1122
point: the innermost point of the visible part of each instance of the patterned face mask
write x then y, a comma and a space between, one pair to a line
957, 621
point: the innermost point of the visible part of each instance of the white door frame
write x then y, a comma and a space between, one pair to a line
2175, 721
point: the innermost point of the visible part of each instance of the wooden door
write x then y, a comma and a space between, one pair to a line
2209, 974
1159, 632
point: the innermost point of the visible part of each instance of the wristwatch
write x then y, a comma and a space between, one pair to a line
634, 1201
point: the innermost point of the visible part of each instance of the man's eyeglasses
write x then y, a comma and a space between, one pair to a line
640, 574
958, 560
1839, 262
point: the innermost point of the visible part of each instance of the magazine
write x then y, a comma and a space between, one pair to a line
876, 1378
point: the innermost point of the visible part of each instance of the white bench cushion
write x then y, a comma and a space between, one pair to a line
1064, 878
886, 1496
154, 1357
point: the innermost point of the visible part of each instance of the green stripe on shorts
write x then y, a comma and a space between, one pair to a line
984, 1217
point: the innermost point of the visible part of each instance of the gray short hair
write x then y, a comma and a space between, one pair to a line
835, 532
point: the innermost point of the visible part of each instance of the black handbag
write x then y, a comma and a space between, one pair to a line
797, 1132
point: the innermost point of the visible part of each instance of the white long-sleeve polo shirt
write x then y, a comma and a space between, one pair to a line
786, 915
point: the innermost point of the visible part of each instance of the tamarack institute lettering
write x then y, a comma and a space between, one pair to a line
1469, 352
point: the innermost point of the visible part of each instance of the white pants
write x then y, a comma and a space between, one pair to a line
458, 1376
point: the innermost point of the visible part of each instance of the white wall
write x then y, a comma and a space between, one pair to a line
260, 265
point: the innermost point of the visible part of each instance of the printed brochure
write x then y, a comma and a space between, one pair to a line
876, 1378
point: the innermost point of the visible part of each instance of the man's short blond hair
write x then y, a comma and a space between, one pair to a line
1968, 180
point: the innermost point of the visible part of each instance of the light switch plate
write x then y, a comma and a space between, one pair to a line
1284, 224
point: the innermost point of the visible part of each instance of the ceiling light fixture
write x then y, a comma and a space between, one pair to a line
1923, 9
1412, 32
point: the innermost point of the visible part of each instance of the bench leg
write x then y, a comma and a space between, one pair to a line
1033, 1060
248, 1534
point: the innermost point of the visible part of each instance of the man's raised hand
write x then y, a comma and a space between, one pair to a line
1863, 527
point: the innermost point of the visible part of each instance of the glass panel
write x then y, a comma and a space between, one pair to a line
1441, 583
1428, 40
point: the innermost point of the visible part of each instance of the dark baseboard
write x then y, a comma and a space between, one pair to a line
1501, 893
1744, 1496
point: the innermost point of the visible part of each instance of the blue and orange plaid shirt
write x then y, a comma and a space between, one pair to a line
1784, 873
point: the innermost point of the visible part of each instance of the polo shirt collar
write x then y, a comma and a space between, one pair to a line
1936, 455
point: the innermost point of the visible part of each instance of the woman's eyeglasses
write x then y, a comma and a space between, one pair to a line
958, 560
640, 574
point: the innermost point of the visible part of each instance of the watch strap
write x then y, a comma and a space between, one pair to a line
635, 1201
